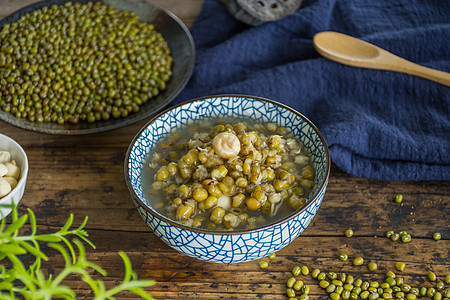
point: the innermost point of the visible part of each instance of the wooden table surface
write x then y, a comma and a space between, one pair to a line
84, 175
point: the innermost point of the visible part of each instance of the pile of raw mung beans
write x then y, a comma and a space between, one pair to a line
75, 62
345, 286
229, 175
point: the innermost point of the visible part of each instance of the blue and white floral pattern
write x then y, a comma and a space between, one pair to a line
228, 247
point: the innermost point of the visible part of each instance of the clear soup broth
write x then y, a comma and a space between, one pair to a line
228, 174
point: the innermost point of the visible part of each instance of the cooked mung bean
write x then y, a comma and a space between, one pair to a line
262, 180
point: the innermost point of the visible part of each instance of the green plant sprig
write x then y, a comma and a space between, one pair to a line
30, 282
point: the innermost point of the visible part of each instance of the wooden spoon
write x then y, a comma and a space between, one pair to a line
357, 53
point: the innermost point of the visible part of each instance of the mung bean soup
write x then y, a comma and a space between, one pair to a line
228, 174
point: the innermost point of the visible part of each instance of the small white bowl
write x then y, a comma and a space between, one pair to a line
17, 154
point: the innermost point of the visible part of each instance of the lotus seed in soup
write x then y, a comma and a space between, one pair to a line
228, 174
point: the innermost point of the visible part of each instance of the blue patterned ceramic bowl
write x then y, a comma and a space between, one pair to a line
227, 246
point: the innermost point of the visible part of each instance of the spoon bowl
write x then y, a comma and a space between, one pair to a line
354, 52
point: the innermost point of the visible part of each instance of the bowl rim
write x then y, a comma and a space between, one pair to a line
24, 170
235, 232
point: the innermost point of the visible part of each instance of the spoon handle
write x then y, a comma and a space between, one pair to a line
392, 62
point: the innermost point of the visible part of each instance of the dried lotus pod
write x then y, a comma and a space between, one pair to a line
256, 12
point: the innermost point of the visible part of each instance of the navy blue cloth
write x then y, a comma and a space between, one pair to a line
377, 124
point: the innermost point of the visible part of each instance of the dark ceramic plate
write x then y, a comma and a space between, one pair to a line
182, 49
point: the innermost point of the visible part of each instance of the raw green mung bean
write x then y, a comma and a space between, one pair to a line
390, 274
357, 290
315, 273
348, 286
399, 198
358, 261
447, 279
437, 296
305, 270
305, 289
324, 284
343, 256
391, 281
296, 270
410, 296
431, 276
364, 295
291, 281
385, 285
405, 288
400, 266
400, 295
303, 297
353, 296
335, 296
337, 282
437, 236
290, 292
372, 266
389, 233
330, 288
395, 236
321, 276
332, 275
430, 292
298, 285
439, 286
263, 264
272, 256
348, 232
406, 238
